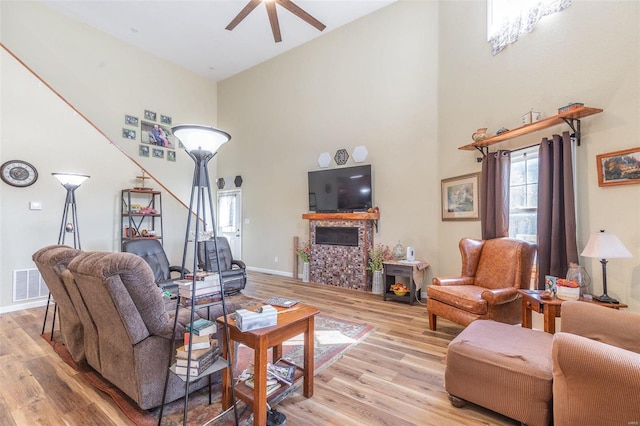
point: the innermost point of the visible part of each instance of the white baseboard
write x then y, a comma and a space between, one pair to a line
270, 271
22, 306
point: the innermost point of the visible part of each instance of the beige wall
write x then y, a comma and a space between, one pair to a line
104, 79
371, 83
588, 53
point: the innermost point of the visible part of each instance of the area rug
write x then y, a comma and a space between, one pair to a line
333, 338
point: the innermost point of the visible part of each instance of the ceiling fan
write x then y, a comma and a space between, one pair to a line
273, 15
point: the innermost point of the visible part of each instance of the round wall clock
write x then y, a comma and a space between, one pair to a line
18, 173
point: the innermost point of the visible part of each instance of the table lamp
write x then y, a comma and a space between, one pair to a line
605, 245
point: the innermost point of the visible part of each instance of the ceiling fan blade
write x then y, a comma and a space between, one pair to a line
300, 13
243, 14
273, 20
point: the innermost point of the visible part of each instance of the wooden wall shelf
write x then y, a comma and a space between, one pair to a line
341, 216
572, 118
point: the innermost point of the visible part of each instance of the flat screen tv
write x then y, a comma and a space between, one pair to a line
346, 189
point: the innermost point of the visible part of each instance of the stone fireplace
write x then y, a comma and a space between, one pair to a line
340, 244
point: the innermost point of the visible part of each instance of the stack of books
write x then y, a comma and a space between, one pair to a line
204, 350
207, 288
277, 376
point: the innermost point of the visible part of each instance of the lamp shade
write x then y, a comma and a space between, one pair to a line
199, 137
72, 179
605, 245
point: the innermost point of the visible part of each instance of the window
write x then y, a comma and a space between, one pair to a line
523, 197
507, 19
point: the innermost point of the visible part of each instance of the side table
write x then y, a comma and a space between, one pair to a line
292, 321
550, 308
413, 270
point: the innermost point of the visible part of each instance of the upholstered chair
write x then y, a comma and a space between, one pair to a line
492, 272
153, 253
234, 273
596, 366
134, 327
51, 261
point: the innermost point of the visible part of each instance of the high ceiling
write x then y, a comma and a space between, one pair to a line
192, 34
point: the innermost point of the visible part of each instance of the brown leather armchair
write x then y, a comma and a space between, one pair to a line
492, 272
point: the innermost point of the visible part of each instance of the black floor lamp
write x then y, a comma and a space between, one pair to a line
202, 144
71, 182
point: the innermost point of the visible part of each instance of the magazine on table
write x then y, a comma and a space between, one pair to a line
283, 373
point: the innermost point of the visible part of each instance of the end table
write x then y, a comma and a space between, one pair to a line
414, 270
550, 308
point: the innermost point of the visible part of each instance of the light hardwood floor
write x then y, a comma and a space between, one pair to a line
393, 377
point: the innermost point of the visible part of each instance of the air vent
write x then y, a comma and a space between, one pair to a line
28, 284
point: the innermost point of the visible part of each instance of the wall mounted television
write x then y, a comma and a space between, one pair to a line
346, 189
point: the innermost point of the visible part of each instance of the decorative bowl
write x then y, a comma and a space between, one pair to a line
400, 292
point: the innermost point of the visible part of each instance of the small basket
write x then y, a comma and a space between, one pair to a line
400, 292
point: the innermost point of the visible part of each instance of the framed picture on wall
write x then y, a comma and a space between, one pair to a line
149, 115
157, 134
144, 151
461, 197
158, 153
128, 133
619, 167
131, 120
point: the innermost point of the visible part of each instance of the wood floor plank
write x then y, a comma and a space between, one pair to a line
395, 376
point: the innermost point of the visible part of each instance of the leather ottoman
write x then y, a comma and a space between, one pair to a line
502, 367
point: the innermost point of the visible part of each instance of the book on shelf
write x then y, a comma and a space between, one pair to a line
201, 300
203, 276
186, 286
197, 342
283, 373
202, 327
183, 352
195, 370
199, 291
272, 385
203, 362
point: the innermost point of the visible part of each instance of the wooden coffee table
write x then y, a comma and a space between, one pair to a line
292, 321
549, 308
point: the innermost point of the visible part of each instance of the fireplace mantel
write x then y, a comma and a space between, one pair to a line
341, 216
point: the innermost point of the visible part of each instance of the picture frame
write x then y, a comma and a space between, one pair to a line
128, 133
460, 197
619, 167
143, 150
157, 134
171, 156
149, 115
158, 153
130, 120
165, 119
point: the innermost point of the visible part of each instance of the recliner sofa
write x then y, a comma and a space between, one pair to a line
127, 323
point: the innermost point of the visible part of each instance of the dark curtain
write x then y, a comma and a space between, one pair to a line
494, 202
556, 208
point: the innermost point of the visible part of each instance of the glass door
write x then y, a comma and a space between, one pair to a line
230, 219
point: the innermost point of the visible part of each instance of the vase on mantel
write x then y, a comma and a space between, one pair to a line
378, 285
305, 272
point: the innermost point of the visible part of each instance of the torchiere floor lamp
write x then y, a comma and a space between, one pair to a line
201, 144
71, 182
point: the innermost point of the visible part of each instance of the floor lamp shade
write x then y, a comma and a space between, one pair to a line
199, 137
605, 245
